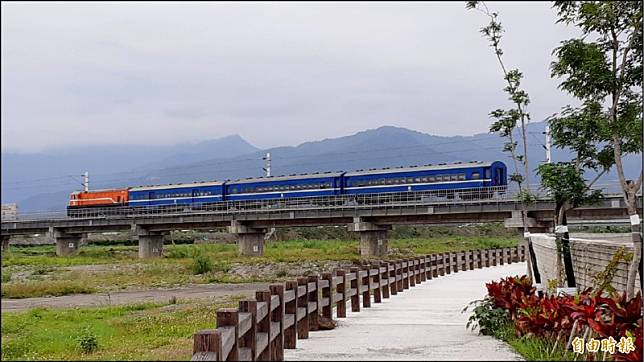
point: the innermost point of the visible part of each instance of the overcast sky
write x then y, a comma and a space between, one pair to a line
274, 73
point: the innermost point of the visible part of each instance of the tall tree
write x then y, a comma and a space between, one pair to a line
506, 121
603, 69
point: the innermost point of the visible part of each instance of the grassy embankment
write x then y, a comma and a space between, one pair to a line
130, 332
36, 270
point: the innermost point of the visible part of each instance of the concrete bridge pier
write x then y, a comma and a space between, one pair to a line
250, 240
66, 244
373, 238
150, 243
5, 242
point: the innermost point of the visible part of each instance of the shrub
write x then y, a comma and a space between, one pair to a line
490, 320
87, 341
6, 276
201, 264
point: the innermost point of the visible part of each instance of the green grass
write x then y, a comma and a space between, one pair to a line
534, 348
118, 267
141, 331
48, 288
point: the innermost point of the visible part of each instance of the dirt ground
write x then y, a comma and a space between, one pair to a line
202, 291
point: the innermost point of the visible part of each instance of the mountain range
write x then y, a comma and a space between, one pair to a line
44, 181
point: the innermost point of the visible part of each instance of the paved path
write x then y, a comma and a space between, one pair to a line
423, 323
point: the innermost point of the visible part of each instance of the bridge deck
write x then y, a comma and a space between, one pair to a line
424, 323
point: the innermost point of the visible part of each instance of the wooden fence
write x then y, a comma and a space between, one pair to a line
260, 329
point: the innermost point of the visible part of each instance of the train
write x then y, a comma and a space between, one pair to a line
448, 178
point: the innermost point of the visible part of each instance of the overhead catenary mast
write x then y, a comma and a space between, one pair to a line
86, 181
548, 146
267, 158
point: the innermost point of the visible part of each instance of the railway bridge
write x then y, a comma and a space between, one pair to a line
371, 216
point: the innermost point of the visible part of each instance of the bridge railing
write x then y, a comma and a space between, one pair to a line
261, 328
411, 198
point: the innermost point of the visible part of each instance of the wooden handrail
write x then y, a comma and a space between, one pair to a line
260, 329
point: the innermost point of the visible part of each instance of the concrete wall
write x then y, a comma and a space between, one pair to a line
590, 256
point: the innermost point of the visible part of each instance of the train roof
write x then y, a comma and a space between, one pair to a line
99, 190
441, 166
177, 186
314, 175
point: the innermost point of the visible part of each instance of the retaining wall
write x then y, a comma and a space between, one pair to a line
589, 256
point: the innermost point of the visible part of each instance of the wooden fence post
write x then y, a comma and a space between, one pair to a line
433, 258
290, 309
229, 317
393, 276
249, 339
302, 308
384, 279
355, 289
264, 325
428, 267
277, 318
365, 285
419, 269
447, 262
341, 307
406, 273
411, 271
314, 299
400, 270
377, 291
327, 292
206, 345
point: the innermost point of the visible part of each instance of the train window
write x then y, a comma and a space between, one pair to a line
476, 175
454, 177
461, 176
417, 179
432, 179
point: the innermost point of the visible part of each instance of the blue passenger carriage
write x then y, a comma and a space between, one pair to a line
284, 187
178, 194
446, 177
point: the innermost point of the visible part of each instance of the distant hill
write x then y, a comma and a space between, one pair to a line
57, 172
382, 147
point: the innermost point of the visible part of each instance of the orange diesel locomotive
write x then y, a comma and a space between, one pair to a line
98, 198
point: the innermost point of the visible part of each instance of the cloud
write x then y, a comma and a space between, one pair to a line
275, 73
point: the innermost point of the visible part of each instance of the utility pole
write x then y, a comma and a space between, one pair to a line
548, 144
267, 158
86, 181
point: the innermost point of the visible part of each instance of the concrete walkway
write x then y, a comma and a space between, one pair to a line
423, 323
